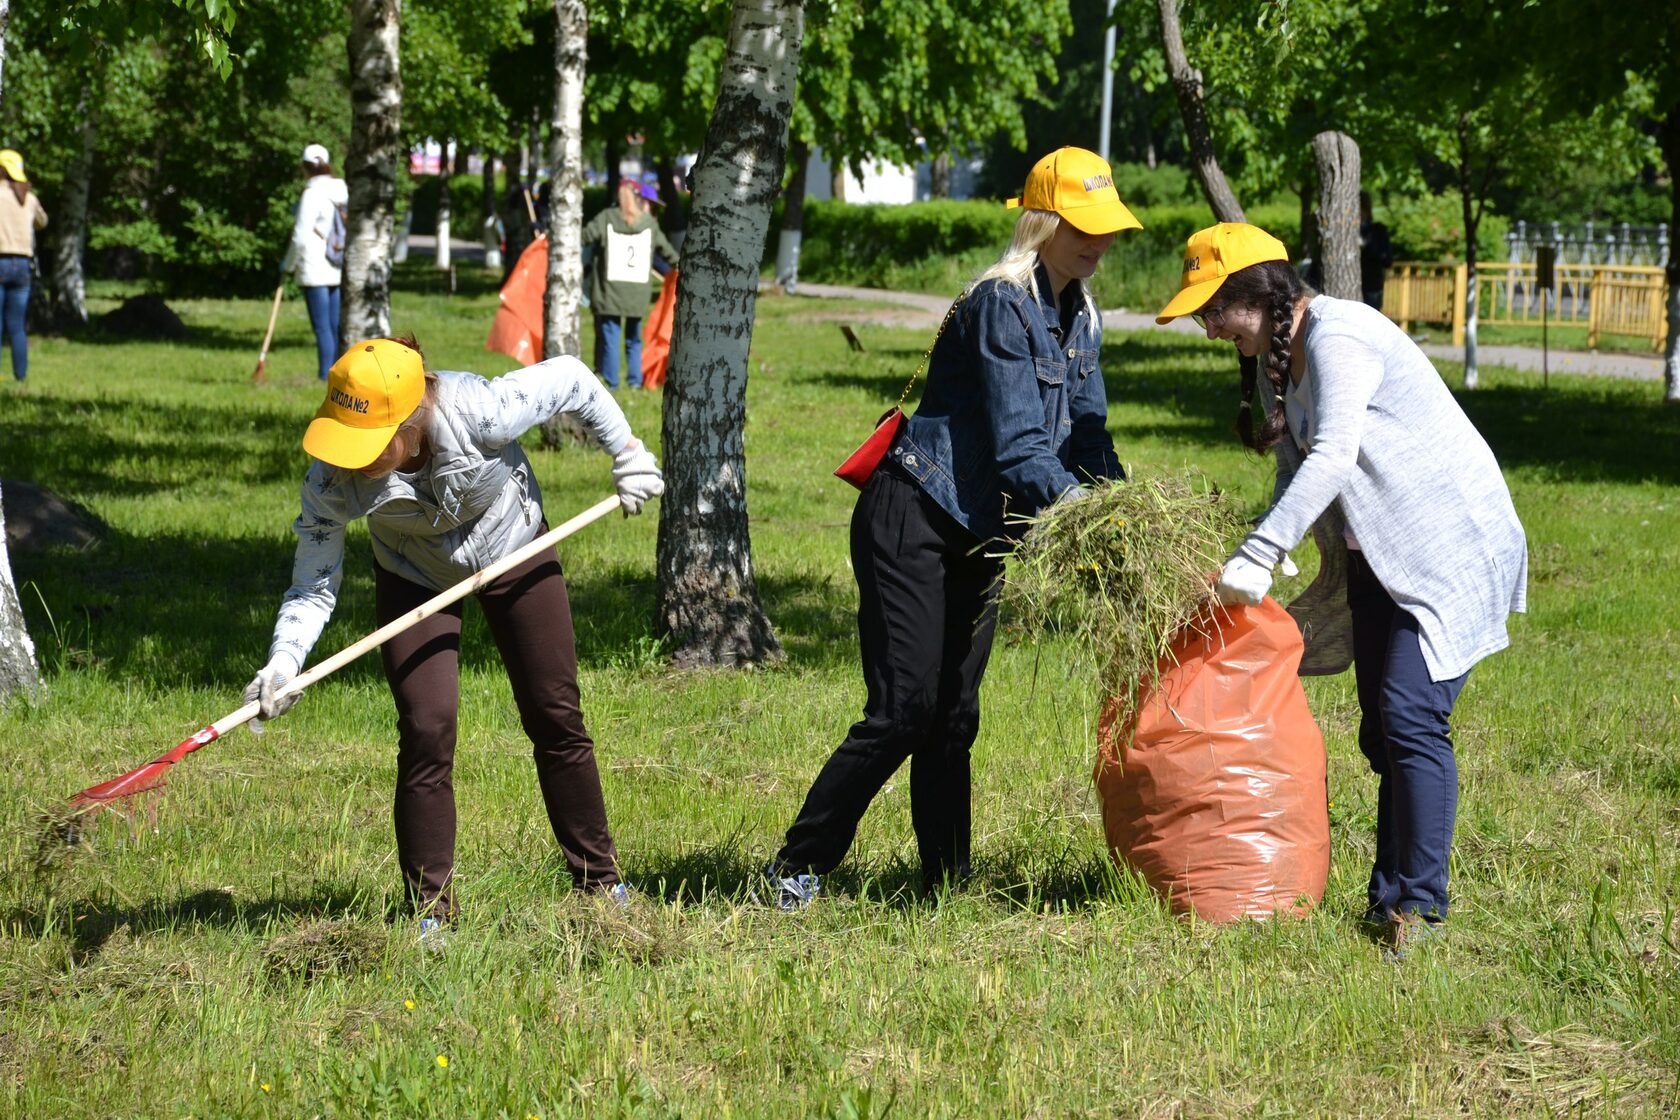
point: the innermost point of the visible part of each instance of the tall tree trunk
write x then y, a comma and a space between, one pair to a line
487, 224
939, 175
1472, 219
674, 219
793, 218
18, 674
707, 599
444, 217
1668, 136
68, 287
370, 166
1338, 213
563, 298
1187, 84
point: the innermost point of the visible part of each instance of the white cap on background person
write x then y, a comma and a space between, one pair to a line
315, 153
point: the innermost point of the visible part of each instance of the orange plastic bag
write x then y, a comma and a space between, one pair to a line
1219, 798
656, 334
518, 329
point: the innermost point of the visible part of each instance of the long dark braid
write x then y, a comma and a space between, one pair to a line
1275, 288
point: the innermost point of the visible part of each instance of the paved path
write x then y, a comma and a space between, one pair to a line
925, 310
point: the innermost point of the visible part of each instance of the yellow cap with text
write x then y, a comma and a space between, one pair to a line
1078, 185
1213, 254
371, 390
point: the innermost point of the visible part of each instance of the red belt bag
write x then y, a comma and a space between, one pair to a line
861, 464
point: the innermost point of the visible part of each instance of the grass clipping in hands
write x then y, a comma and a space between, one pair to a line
1122, 571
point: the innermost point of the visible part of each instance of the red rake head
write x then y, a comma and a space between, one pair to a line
139, 780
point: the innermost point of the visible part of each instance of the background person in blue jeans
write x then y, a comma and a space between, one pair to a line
623, 247
1013, 419
1437, 557
20, 216
317, 277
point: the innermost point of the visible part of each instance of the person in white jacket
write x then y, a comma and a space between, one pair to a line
432, 460
312, 254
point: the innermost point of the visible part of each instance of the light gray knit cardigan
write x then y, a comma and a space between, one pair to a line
1418, 485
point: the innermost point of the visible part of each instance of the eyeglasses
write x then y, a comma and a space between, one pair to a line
1215, 315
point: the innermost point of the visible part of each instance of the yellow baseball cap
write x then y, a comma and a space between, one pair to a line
1078, 185
1213, 254
371, 390
11, 163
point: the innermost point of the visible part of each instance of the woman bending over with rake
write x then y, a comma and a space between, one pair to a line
1437, 558
1014, 418
432, 460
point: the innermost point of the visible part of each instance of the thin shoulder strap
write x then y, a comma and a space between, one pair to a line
908, 385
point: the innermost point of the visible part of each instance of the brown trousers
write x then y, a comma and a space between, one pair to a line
530, 617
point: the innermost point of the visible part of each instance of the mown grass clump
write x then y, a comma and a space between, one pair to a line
1123, 571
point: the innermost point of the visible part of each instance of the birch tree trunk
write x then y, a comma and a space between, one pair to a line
1472, 218
707, 600
69, 284
1187, 85
370, 166
1668, 136
18, 674
793, 219
562, 331
1338, 213
563, 297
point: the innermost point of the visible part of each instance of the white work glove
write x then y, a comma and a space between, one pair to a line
637, 477
1242, 582
1288, 567
270, 679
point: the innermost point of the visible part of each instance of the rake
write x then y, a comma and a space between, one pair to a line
268, 337
154, 773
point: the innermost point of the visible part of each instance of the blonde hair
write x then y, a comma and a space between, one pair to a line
1033, 229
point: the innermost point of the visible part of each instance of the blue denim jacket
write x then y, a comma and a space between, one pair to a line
1014, 414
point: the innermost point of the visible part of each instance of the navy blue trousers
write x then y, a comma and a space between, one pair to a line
1405, 733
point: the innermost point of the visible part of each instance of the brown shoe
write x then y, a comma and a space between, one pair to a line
1407, 932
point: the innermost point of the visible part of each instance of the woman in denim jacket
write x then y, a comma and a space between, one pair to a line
1013, 419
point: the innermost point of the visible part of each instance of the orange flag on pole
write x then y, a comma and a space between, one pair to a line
518, 329
656, 334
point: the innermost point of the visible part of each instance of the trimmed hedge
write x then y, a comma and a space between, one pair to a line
938, 246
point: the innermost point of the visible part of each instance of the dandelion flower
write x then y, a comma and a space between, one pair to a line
443, 1061
267, 1088
408, 1003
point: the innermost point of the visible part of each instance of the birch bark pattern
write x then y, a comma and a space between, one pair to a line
707, 598
1187, 85
370, 166
68, 288
1472, 219
562, 333
18, 673
1338, 213
563, 297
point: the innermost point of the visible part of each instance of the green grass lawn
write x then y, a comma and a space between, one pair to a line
228, 953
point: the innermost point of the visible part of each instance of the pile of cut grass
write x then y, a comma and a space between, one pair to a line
1123, 571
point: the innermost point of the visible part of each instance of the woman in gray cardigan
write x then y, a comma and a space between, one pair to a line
1437, 558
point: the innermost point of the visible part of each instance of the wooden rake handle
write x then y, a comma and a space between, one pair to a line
424, 611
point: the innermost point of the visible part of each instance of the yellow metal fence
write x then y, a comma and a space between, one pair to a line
1602, 299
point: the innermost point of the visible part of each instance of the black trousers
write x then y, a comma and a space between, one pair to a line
530, 617
927, 611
